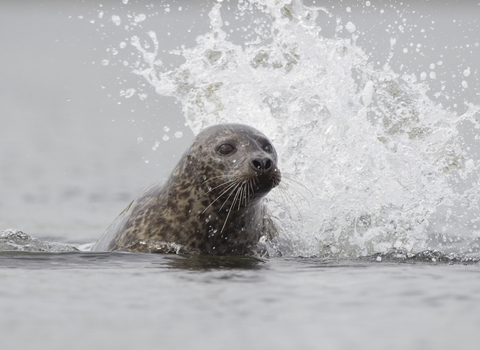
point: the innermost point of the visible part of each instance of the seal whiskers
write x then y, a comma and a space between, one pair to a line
283, 192
231, 207
220, 195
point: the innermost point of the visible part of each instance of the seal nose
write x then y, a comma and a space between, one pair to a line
262, 164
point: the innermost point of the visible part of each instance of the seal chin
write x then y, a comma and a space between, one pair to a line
264, 183
261, 190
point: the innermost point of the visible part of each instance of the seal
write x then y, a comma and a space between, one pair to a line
212, 203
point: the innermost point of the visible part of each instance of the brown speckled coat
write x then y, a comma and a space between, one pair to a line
212, 203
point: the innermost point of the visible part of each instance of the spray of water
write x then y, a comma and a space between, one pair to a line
370, 158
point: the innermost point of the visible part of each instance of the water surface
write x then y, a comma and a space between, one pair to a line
99, 300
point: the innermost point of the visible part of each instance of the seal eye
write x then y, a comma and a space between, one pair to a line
225, 149
268, 148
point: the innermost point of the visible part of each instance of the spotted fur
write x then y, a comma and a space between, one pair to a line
211, 204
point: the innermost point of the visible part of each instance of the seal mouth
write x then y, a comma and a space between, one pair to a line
242, 189
264, 182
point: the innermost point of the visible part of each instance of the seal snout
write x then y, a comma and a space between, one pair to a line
262, 165
267, 175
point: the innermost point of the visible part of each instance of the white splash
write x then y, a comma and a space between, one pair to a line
15, 240
377, 155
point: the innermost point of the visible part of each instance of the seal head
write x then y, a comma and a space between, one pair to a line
212, 203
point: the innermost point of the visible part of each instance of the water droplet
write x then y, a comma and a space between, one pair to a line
165, 137
116, 19
166, 129
129, 93
350, 27
178, 134
140, 18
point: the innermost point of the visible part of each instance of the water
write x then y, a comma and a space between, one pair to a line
372, 108
120, 300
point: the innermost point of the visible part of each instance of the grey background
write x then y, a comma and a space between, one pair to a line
70, 156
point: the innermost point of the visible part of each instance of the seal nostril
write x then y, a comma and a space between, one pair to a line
257, 164
262, 164
268, 164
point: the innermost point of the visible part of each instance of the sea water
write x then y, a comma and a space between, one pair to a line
378, 210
